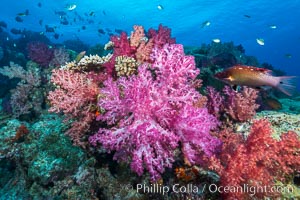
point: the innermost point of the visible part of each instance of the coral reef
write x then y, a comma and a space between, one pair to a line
136, 114
43, 158
45, 164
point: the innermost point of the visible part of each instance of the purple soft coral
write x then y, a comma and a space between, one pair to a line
239, 106
150, 111
40, 53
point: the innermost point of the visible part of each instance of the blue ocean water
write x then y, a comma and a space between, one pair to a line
230, 20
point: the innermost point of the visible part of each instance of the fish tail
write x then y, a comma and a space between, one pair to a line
287, 84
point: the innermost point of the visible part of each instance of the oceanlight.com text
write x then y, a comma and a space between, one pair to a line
252, 190
212, 188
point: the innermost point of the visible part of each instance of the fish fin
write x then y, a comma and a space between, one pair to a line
235, 88
287, 84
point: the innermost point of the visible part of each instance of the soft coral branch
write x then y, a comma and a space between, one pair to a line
238, 106
22, 97
74, 95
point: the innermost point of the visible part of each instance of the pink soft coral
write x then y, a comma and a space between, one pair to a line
161, 37
241, 106
137, 36
215, 102
74, 97
122, 45
138, 45
149, 112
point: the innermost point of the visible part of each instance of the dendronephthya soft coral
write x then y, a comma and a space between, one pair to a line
152, 113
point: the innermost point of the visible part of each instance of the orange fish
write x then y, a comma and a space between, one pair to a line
97, 113
257, 77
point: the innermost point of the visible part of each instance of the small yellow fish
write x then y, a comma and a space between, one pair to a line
260, 41
79, 56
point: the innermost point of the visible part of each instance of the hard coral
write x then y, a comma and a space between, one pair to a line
89, 63
125, 66
148, 113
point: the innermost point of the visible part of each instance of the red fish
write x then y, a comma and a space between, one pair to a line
257, 77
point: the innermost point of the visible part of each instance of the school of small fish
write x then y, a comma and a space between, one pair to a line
69, 16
